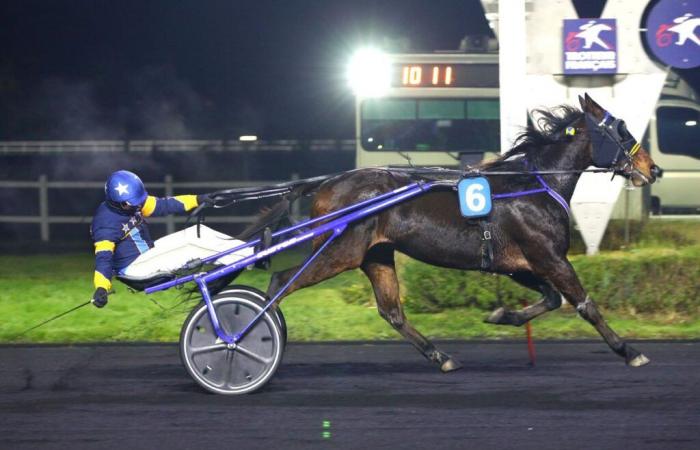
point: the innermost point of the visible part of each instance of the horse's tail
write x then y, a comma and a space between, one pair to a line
279, 211
289, 191
311, 185
269, 217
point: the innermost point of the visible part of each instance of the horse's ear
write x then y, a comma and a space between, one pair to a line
592, 107
582, 102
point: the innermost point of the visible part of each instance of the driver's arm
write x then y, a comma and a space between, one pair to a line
162, 206
104, 252
105, 235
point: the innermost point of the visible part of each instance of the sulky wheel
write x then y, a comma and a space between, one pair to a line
231, 369
260, 297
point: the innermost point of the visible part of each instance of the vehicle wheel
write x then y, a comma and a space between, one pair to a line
231, 369
258, 295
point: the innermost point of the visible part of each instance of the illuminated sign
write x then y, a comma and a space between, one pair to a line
590, 46
671, 33
440, 75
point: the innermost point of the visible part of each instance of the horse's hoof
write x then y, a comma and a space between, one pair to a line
450, 365
638, 361
496, 317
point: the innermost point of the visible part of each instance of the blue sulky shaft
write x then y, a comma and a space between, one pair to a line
336, 226
254, 258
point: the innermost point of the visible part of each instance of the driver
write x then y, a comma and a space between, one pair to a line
119, 230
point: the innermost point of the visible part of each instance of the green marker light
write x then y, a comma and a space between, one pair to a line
326, 434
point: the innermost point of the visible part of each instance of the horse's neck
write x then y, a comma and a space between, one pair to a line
567, 156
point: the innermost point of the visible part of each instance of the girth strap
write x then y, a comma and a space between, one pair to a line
486, 245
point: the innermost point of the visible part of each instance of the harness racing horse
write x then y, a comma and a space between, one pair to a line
530, 234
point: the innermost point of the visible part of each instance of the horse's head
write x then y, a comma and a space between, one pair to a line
613, 147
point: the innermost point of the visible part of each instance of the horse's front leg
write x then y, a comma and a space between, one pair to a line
563, 277
551, 300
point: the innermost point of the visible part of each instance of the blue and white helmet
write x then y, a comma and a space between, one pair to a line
125, 187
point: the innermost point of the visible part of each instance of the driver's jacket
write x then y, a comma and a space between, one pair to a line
120, 237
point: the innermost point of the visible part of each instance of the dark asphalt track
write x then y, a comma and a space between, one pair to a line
374, 396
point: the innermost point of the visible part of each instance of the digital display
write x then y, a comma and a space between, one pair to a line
426, 75
444, 75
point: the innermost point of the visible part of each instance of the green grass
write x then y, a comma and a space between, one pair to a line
33, 288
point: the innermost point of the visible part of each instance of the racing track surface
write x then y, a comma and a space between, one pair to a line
371, 395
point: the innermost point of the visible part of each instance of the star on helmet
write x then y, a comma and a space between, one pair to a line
122, 189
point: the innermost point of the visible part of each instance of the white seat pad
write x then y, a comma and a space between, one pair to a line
174, 251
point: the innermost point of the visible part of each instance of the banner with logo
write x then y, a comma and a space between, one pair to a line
672, 32
590, 46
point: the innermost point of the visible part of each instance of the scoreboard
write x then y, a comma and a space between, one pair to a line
436, 75
434, 109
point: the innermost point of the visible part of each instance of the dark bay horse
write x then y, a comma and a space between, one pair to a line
530, 234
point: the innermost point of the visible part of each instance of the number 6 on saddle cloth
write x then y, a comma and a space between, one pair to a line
474, 197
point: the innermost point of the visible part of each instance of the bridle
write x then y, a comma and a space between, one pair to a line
613, 146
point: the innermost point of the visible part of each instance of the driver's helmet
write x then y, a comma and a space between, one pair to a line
125, 190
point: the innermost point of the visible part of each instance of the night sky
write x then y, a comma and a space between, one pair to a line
108, 69
200, 69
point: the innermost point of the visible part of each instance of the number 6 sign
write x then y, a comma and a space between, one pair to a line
474, 197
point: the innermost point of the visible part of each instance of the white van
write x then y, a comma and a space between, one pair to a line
674, 142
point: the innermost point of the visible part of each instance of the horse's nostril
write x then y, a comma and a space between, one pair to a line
657, 171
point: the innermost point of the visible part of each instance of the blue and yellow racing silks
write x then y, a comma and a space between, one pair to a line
121, 236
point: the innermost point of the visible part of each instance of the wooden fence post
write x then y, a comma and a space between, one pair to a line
296, 211
44, 208
169, 219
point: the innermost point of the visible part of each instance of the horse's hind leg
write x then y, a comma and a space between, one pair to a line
550, 301
378, 265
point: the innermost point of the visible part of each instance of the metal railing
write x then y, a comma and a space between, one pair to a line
104, 146
45, 219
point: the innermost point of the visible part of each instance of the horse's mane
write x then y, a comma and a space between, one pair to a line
550, 124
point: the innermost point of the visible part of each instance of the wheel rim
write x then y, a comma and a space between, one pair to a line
237, 369
244, 291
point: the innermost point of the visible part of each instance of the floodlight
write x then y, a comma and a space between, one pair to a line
369, 73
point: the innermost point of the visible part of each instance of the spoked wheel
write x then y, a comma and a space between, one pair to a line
259, 296
231, 369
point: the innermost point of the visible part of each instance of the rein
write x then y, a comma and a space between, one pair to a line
231, 197
477, 172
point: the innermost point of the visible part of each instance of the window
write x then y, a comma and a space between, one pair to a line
678, 130
446, 125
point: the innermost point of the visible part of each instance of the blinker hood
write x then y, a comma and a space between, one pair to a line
607, 139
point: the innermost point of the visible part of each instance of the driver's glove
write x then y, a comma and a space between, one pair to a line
206, 199
99, 298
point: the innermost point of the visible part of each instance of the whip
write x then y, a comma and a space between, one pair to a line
75, 308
